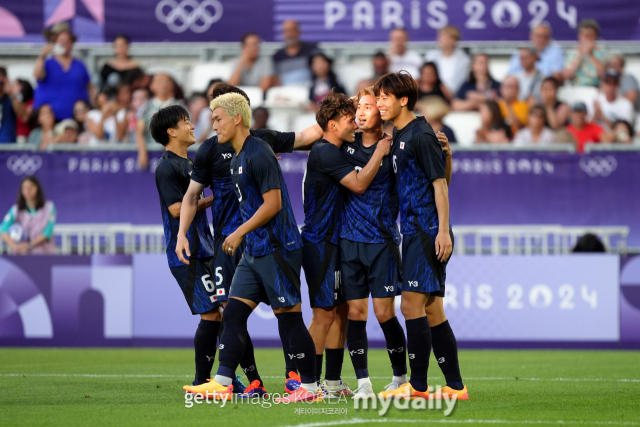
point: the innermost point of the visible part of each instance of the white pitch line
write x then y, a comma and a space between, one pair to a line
454, 421
622, 380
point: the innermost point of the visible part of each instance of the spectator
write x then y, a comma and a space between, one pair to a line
629, 87
22, 102
165, 93
400, 58
621, 132
563, 136
80, 111
551, 57
62, 80
610, 106
260, 118
380, 65
499, 133
7, 115
138, 97
323, 80
434, 108
514, 111
529, 77
491, 116
251, 69
30, 221
453, 64
66, 132
537, 132
291, 63
478, 88
122, 69
200, 116
582, 130
557, 112
584, 66
430, 83
43, 123
103, 122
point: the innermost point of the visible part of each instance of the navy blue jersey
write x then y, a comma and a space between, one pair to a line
418, 161
211, 168
255, 170
370, 217
172, 181
322, 196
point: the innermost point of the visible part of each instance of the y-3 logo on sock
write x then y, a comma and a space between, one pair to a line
389, 288
209, 358
395, 350
441, 360
358, 351
221, 346
412, 356
296, 356
249, 369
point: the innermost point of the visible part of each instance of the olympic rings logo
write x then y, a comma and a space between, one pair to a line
24, 165
189, 15
598, 166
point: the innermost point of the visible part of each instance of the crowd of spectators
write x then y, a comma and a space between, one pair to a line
523, 109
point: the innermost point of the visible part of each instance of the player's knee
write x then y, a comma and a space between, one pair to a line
323, 318
411, 310
357, 312
214, 315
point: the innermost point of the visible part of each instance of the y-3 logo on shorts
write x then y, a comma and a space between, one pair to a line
358, 351
395, 350
389, 288
296, 356
281, 299
413, 284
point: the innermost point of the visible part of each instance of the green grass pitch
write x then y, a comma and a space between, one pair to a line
143, 387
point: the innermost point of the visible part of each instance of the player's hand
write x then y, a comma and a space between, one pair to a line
143, 159
444, 143
182, 247
384, 145
232, 242
444, 246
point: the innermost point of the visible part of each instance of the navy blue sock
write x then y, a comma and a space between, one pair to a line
248, 363
335, 357
396, 345
234, 338
205, 347
289, 363
419, 349
358, 346
301, 345
445, 349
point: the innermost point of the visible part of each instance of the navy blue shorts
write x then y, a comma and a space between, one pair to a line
273, 279
198, 285
368, 268
224, 265
320, 262
422, 271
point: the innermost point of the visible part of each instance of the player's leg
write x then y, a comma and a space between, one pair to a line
205, 344
321, 322
445, 348
336, 339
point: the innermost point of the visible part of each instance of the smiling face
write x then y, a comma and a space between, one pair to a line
224, 126
368, 114
183, 132
345, 127
389, 106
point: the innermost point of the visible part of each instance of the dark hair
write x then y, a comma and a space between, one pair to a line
196, 95
627, 125
590, 24
245, 36
110, 92
398, 84
222, 88
3, 72
553, 80
122, 36
40, 197
589, 243
165, 119
27, 90
502, 126
435, 70
380, 54
539, 107
178, 93
331, 76
472, 78
496, 114
33, 118
333, 107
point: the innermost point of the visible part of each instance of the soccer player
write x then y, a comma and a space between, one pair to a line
427, 238
327, 169
369, 253
171, 127
211, 169
269, 270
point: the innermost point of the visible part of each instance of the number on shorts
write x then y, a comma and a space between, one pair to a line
208, 284
219, 277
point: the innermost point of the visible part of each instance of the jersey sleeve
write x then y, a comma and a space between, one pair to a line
429, 155
334, 163
265, 172
280, 142
203, 163
168, 183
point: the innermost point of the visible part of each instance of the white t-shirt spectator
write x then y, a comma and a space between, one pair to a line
411, 61
110, 126
620, 109
524, 137
529, 85
453, 70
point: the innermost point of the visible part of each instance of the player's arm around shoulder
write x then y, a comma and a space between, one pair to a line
358, 182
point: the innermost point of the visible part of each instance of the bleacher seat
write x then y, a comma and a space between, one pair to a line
287, 96
351, 74
255, 94
279, 121
22, 71
304, 121
573, 94
499, 67
201, 74
464, 125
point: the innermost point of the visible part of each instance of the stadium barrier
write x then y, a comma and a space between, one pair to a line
588, 301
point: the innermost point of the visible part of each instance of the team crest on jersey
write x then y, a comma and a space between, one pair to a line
402, 145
